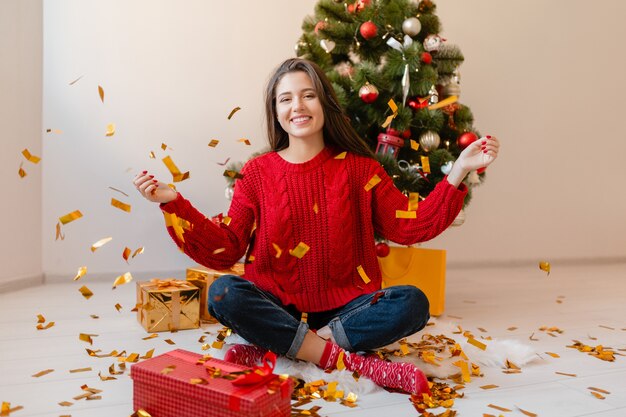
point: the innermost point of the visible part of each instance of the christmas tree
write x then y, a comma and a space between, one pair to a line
398, 80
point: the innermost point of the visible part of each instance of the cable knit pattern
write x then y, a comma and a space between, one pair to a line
323, 204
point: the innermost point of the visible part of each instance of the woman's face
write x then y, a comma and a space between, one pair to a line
298, 107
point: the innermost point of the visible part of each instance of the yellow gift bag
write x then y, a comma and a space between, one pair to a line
423, 268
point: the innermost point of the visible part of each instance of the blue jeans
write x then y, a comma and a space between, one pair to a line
368, 322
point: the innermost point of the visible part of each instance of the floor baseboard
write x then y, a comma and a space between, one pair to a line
18, 283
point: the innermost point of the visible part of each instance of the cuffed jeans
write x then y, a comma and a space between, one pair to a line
368, 322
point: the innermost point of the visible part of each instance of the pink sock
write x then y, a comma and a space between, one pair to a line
247, 355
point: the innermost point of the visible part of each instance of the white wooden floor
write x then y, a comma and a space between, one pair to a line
593, 306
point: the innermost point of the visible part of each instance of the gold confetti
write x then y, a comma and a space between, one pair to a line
394, 108
213, 143
372, 182
133, 357
526, 413
340, 362
300, 250
40, 318
363, 275
554, 355
119, 191
101, 93
464, 370
93, 316
148, 354
126, 253
42, 373
598, 395
414, 145
342, 155
316, 209
606, 327
476, 343
152, 336
198, 381
46, 327
218, 250
110, 130
545, 266
599, 390
65, 403
232, 174
443, 103
6, 410
105, 378
76, 80
70, 217
218, 344
56, 131
100, 243
118, 307
32, 158
506, 410
169, 341
122, 279
85, 337
138, 251
171, 220
59, 234
402, 214
490, 386
425, 164
86, 292
563, 373
233, 111
151, 155
244, 140
74, 371
512, 328
278, 250
21, 171
413, 201
164, 146
81, 273
141, 413
120, 205
176, 174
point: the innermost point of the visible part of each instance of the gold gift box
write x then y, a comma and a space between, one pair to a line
168, 304
202, 277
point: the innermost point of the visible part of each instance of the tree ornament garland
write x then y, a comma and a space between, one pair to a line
368, 93
368, 30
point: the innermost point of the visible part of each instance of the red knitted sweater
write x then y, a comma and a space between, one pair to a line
324, 204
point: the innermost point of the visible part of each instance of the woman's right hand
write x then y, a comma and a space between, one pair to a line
153, 190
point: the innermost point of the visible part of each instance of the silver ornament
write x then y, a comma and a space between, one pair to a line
433, 95
452, 89
447, 167
411, 26
327, 45
429, 140
460, 219
228, 192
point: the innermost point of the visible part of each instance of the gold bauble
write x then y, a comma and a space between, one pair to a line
429, 140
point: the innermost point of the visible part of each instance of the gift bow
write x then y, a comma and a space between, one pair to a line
260, 374
165, 283
406, 82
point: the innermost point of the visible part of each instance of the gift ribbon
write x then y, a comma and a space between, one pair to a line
406, 82
173, 284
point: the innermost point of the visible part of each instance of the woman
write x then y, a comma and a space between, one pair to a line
312, 205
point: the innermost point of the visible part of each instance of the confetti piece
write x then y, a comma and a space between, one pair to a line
58, 233
198, 381
122, 279
316, 209
148, 354
176, 174
141, 413
545, 266
100, 243
151, 155
213, 143
363, 275
403, 214
81, 273
169, 341
65, 403
85, 337
340, 362
110, 130
300, 250
75, 371
372, 182
394, 108
138, 251
414, 145
118, 307
443, 103
152, 336
42, 373
126, 253
244, 140
119, 191
218, 250
512, 328
304, 317
233, 111
342, 155
70, 217
46, 327
599, 390
76, 80
465, 375
526, 413
218, 344
86, 292
32, 158
598, 395
606, 327
120, 205
232, 174
278, 250
21, 171
164, 146
425, 164
105, 378
6, 410
56, 131
93, 316
499, 408
413, 201
554, 355
40, 318
223, 163
563, 373
476, 343
171, 220
490, 386
101, 93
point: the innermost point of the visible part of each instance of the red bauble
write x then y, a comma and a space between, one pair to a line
426, 57
382, 249
368, 93
358, 5
406, 134
320, 25
393, 132
417, 103
368, 30
466, 139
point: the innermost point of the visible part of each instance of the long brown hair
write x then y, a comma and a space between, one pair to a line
338, 132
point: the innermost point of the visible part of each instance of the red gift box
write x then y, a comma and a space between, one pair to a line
171, 393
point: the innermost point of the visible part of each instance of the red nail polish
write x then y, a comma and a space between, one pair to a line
485, 151
488, 137
151, 176
154, 181
484, 142
144, 172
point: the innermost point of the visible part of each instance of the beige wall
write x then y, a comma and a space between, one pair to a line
543, 76
20, 127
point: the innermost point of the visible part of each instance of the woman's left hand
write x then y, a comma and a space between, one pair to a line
479, 154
